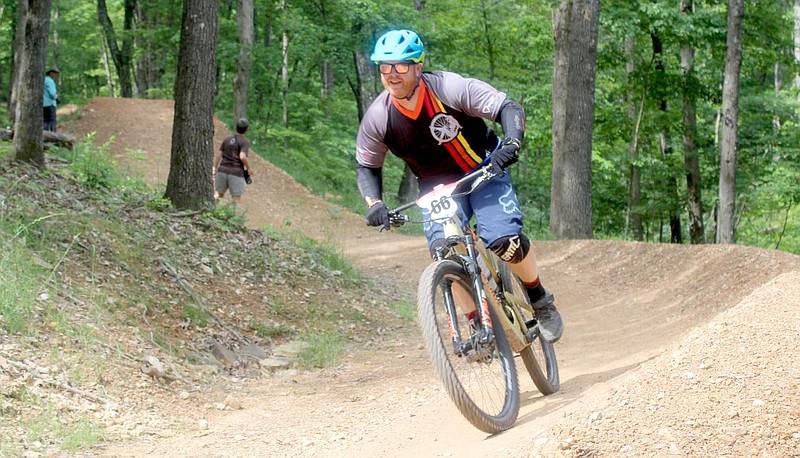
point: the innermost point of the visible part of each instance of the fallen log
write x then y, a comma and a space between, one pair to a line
52, 138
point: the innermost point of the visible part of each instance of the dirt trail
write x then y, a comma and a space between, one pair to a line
625, 305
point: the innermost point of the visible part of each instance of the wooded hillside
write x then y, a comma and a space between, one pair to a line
299, 71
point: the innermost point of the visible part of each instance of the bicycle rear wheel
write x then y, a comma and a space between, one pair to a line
486, 390
540, 356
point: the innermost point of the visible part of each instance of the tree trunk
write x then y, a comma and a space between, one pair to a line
19, 44
670, 184
244, 65
797, 41
120, 55
189, 183
778, 82
264, 87
488, 37
327, 85
28, 143
730, 127
112, 87
364, 88
285, 76
149, 65
691, 161
285, 71
635, 183
53, 47
575, 27
409, 186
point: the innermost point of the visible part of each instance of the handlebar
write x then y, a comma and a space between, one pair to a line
475, 179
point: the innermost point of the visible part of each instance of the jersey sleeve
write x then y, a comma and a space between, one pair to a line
370, 147
469, 95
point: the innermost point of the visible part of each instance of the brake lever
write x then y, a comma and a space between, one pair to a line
487, 174
398, 219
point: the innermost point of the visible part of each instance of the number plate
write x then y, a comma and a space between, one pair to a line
439, 202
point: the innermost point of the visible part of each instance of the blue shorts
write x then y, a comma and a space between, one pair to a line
495, 207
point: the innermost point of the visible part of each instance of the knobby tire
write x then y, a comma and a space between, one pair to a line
485, 392
540, 356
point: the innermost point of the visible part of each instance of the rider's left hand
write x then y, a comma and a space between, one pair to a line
507, 154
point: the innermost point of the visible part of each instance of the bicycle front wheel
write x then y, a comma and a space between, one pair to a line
485, 389
540, 356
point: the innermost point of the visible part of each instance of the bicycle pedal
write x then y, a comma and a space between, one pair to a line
531, 323
532, 334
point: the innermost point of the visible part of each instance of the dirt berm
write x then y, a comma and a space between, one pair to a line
669, 350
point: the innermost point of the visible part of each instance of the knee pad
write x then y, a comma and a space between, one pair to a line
511, 248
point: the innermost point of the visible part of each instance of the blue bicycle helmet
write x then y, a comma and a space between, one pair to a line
398, 45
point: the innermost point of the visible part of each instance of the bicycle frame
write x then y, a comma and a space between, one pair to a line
473, 254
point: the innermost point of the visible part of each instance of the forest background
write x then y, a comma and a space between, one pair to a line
657, 63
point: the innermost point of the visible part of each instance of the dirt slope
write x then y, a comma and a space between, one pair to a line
668, 350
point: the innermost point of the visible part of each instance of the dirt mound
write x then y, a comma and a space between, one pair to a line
625, 358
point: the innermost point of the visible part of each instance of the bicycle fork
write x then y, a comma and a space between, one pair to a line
479, 345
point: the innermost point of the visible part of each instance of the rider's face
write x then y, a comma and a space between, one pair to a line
400, 85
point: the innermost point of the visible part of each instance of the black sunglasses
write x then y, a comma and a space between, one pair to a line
400, 67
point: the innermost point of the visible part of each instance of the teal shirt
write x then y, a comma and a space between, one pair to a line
50, 92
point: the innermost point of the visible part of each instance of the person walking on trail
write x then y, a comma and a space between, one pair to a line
50, 100
434, 121
231, 168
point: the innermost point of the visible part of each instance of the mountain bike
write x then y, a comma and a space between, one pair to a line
475, 358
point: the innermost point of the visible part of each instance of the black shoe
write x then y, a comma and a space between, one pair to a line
550, 324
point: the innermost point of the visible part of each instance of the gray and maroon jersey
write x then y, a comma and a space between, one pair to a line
444, 138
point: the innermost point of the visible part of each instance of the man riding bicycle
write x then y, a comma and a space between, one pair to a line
434, 121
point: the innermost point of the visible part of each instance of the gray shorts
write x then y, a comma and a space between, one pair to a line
227, 181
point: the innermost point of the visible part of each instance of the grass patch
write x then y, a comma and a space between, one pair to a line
271, 331
20, 283
332, 259
323, 258
280, 308
225, 217
81, 435
92, 165
355, 315
196, 315
324, 350
48, 427
7, 448
404, 309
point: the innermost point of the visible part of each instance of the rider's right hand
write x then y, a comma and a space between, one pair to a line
378, 215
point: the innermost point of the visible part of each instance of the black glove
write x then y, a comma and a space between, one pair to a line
378, 215
507, 154
247, 178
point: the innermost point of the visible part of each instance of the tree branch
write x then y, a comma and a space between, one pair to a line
55, 383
